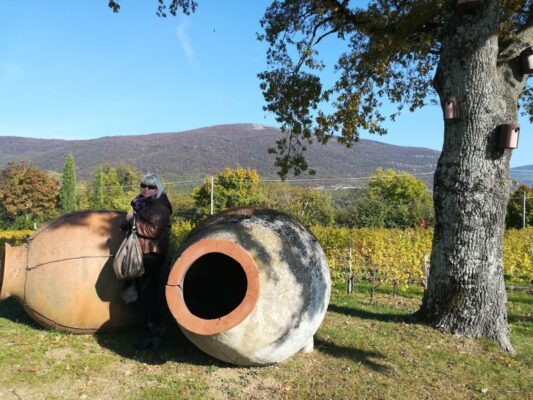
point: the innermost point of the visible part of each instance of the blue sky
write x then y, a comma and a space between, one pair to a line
76, 70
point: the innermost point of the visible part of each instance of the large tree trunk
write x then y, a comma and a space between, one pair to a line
466, 291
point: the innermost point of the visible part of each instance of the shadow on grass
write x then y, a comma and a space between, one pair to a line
175, 347
364, 314
516, 318
522, 298
11, 310
366, 358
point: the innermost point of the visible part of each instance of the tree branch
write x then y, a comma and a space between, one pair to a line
520, 40
523, 39
325, 34
342, 10
114, 6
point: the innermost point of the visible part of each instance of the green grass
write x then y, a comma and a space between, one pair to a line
362, 350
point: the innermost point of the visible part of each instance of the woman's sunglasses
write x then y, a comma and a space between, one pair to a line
152, 187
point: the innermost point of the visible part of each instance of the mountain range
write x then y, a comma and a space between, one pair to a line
194, 154
523, 174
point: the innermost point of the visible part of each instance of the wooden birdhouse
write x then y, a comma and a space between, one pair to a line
451, 107
468, 5
508, 136
526, 57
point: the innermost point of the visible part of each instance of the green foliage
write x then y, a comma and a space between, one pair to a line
518, 255
394, 200
114, 187
67, 194
184, 207
242, 187
83, 195
113, 192
388, 55
309, 206
180, 230
390, 51
14, 238
392, 256
128, 176
172, 6
515, 208
232, 188
28, 196
96, 200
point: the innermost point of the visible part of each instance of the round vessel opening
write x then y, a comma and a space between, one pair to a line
214, 285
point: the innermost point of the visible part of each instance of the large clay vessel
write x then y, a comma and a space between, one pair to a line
63, 274
249, 287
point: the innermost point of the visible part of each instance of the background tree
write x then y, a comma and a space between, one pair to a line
112, 188
232, 188
396, 200
114, 195
391, 200
83, 195
309, 206
410, 53
96, 199
67, 194
129, 176
184, 207
515, 208
27, 196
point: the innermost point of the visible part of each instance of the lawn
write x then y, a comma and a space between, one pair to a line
362, 350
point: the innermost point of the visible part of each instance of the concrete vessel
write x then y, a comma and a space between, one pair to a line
249, 287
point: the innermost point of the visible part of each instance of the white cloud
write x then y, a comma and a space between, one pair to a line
184, 39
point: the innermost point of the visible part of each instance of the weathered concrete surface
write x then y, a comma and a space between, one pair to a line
294, 287
63, 275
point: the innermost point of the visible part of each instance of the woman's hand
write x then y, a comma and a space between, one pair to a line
129, 216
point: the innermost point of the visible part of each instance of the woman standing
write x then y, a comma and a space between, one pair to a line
152, 211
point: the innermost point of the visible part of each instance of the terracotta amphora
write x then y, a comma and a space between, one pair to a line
63, 275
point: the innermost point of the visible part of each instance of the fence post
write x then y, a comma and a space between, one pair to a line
426, 268
212, 191
350, 276
524, 210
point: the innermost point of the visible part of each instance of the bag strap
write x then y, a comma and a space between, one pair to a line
134, 224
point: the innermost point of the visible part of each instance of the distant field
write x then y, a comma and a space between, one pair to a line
362, 351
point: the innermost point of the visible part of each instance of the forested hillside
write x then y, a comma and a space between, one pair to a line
194, 154
200, 152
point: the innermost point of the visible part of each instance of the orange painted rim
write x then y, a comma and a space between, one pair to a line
174, 292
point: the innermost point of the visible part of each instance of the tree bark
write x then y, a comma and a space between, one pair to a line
466, 291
